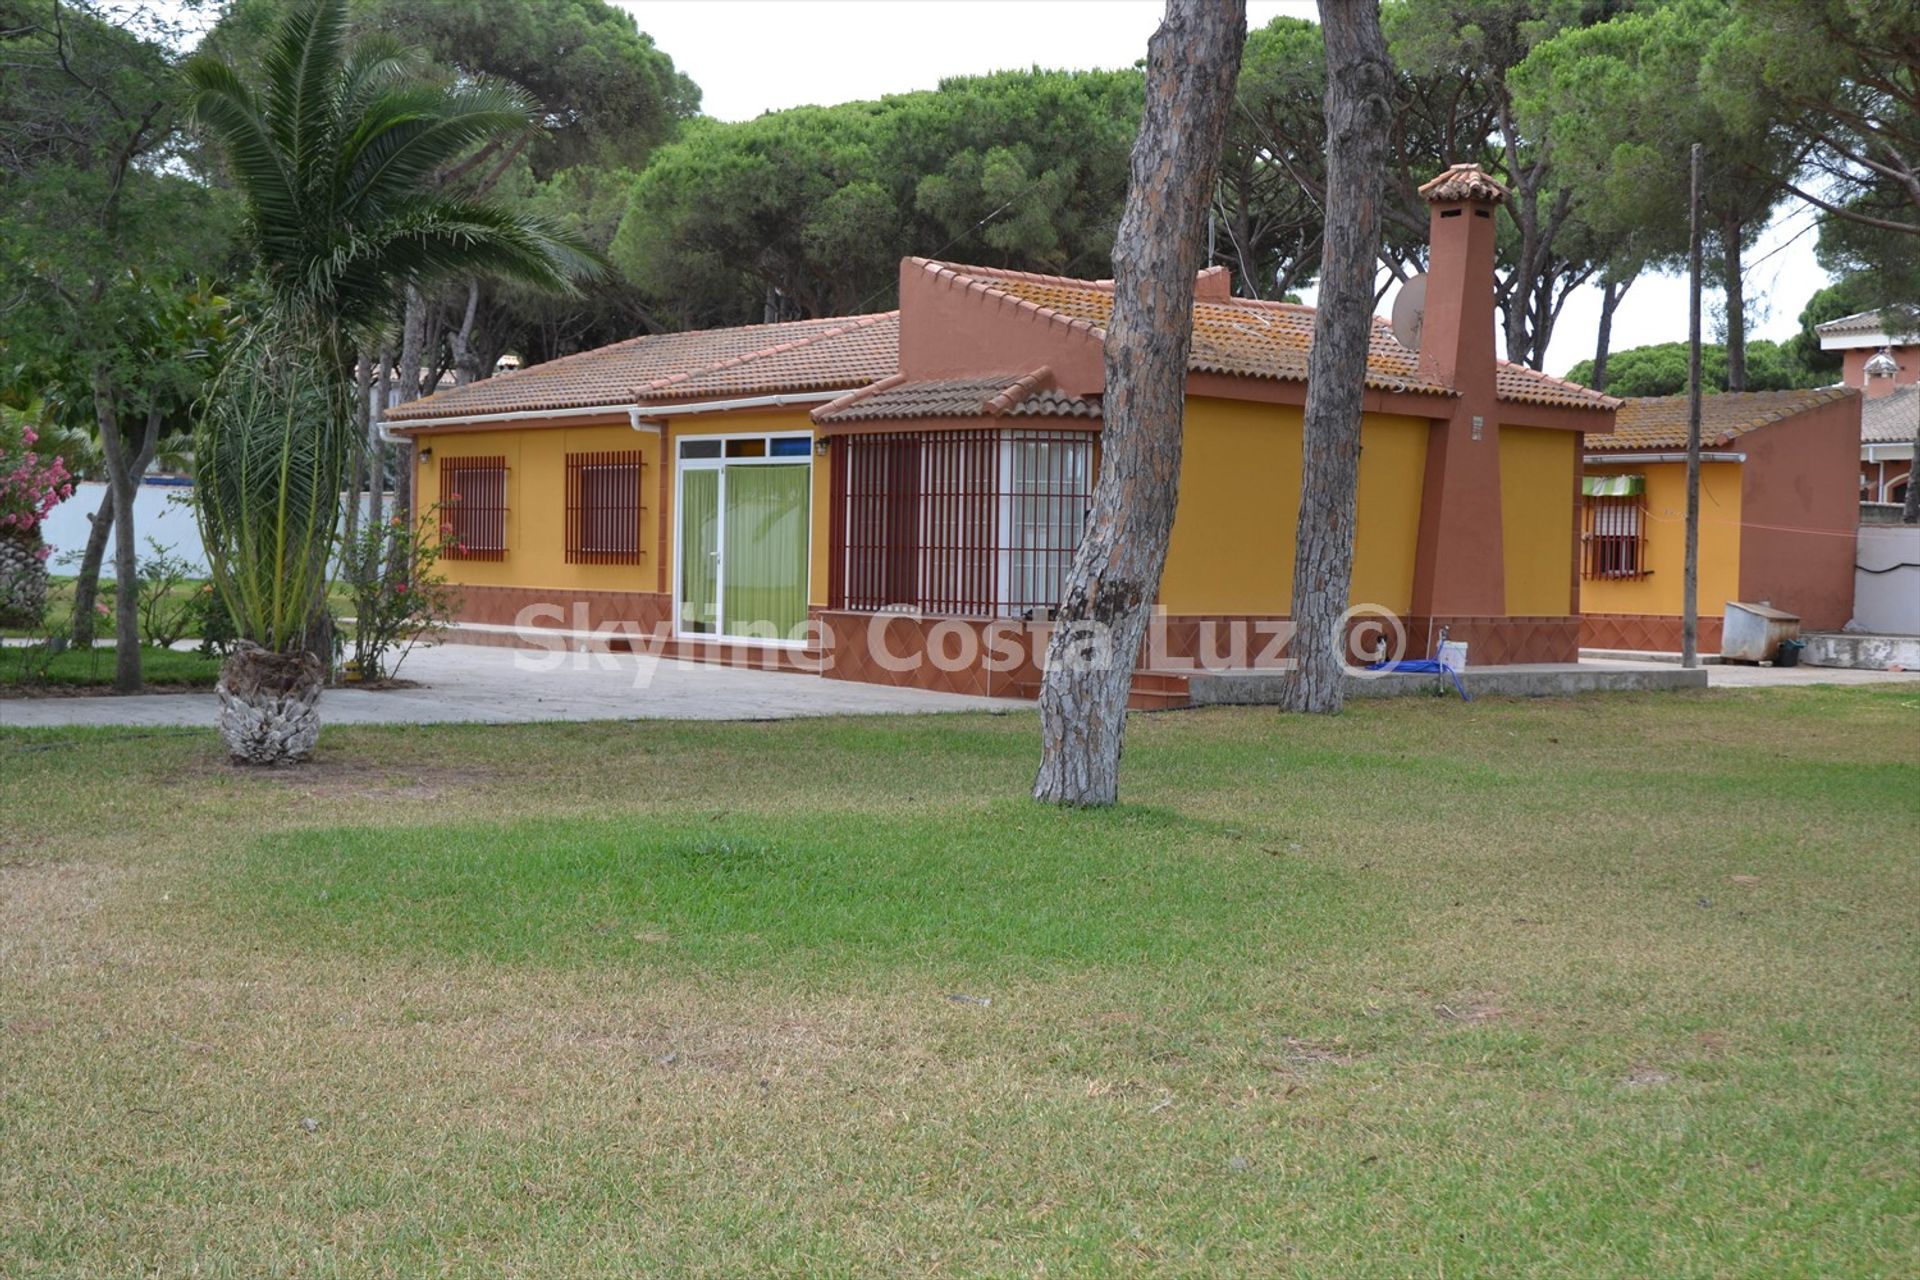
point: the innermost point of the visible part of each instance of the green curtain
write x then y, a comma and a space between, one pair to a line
699, 567
766, 578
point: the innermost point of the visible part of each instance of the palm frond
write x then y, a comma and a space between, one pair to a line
406, 135
302, 70
443, 239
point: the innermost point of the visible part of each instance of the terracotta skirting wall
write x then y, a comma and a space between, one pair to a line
1644, 632
985, 657
1493, 642
1002, 657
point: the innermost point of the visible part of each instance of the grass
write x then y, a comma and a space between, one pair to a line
1614, 986
93, 668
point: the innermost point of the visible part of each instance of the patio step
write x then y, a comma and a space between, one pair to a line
1151, 691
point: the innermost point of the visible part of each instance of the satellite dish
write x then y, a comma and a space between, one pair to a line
1409, 310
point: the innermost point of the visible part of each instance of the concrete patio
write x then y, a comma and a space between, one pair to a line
480, 684
477, 684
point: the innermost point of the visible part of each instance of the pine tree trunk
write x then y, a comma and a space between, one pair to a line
1359, 124
86, 587
1193, 61
1610, 296
1736, 307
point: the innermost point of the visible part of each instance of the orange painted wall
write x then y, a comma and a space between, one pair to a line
1665, 516
536, 505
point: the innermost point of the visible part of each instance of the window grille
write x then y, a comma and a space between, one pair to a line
1616, 542
473, 496
966, 523
604, 510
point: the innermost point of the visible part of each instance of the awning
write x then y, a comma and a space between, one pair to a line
1612, 486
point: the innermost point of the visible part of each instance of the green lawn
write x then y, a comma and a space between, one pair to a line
80, 668
1620, 986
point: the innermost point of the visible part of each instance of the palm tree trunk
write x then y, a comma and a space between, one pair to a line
1359, 119
1193, 61
86, 587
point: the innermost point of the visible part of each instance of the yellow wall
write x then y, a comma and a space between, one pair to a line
537, 506
1233, 537
1665, 517
1232, 546
1537, 481
536, 500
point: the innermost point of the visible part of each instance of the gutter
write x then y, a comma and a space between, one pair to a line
645, 419
640, 418
1889, 451
1602, 459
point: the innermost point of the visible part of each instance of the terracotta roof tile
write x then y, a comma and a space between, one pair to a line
1238, 337
1265, 339
797, 355
1858, 322
1464, 182
1892, 418
1660, 422
1001, 396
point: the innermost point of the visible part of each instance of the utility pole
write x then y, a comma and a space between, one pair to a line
1690, 580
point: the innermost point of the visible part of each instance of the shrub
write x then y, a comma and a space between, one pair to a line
399, 597
166, 612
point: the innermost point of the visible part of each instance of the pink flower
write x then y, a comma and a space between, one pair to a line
400, 589
42, 554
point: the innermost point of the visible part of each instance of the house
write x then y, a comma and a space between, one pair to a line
898, 497
1885, 367
1888, 426
1778, 514
1860, 337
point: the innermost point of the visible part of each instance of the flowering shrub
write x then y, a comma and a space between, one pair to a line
30, 487
399, 597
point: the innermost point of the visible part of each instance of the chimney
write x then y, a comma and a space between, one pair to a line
1456, 334
1459, 564
1213, 284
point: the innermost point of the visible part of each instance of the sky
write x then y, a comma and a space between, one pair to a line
751, 56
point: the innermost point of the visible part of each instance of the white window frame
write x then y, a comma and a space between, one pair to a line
682, 465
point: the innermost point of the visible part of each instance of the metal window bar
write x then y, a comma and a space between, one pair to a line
473, 492
965, 523
1615, 538
604, 508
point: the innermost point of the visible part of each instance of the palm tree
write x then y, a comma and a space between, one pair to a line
338, 155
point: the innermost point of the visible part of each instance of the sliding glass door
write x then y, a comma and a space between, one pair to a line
745, 528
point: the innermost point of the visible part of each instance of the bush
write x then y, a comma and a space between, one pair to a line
399, 597
166, 611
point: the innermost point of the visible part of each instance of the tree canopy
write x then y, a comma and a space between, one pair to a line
809, 211
1661, 369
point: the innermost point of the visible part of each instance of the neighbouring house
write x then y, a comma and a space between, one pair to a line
1860, 337
898, 497
1888, 426
1779, 508
1883, 366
